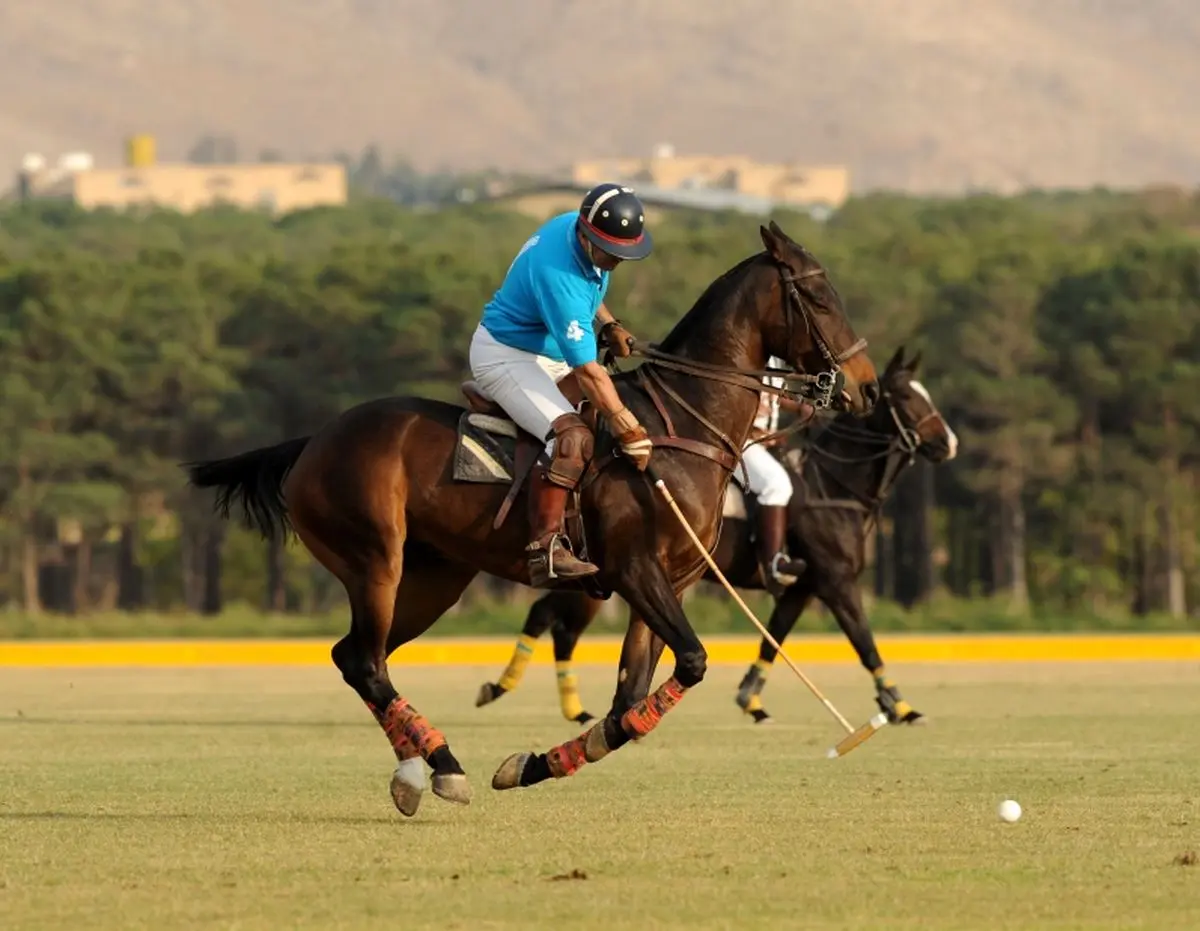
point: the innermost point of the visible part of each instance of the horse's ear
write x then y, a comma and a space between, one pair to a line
914, 363
894, 364
772, 238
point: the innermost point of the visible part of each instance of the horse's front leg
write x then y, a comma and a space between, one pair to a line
639, 659
568, 627
788, 608
543, 614
657, 620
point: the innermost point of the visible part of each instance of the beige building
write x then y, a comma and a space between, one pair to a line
272, 186
784, 184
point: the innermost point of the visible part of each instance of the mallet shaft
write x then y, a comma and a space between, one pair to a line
662, 487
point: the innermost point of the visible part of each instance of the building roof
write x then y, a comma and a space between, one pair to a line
693, 198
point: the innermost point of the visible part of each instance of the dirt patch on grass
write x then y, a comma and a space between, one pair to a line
563, 877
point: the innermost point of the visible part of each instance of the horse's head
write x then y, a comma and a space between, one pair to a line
915, 418
807, 325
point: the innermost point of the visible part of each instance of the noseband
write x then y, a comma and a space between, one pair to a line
900, 449
831, 382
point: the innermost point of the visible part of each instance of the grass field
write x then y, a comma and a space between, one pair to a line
245, 798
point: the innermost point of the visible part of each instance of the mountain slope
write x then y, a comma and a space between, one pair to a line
930, 96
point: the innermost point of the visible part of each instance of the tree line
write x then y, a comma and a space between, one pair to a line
1061, 336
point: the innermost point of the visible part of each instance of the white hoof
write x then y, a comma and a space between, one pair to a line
408, 785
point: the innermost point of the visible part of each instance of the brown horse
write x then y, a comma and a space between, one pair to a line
842, 479
405, 499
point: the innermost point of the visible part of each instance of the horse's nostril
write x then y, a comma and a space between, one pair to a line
870, 393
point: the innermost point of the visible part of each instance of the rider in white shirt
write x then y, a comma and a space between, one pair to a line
771, 484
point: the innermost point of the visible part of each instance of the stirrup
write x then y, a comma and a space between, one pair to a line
541, 561
783, 578
540, 558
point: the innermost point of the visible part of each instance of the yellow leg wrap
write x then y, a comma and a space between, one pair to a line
755, 704
763, 667
522, 654
882, 680
568, 691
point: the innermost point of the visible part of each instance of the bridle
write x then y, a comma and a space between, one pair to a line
899, 449
819, 390
831, 379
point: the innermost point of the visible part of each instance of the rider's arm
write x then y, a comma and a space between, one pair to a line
603, 316
598, 388
563, 305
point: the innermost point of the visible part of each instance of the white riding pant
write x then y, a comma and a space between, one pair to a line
523, 383
769, 480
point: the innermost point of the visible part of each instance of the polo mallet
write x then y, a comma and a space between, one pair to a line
853, 737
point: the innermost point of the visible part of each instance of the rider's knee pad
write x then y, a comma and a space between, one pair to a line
574, 445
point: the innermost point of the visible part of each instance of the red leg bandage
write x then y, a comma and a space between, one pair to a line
643, 717
409, 731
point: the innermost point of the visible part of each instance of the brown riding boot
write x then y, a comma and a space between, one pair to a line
549, 555
782, 570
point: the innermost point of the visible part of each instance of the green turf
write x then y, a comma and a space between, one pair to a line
258, 799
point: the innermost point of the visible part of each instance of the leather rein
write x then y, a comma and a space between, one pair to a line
898, 449
819, 390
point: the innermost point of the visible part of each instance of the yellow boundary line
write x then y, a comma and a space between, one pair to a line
494, 652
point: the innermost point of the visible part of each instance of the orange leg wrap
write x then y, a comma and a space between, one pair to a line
566, 759
643, 717
401, 745
409, 731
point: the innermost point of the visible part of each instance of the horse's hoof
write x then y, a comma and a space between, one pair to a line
508, 776
897, 709
488, 693
583, 718
407, 789
453, 787
759, 716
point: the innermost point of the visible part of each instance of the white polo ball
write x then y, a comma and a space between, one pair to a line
1009, 811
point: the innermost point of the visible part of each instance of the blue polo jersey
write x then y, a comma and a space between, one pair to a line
549, 298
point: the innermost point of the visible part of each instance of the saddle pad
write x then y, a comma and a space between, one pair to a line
484, 450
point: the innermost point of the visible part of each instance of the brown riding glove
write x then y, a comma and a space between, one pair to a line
635, 442
616, 339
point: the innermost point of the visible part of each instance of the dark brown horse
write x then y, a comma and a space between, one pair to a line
405, 500
842, 479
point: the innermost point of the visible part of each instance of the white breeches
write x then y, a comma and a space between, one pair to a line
769, 480
524, 384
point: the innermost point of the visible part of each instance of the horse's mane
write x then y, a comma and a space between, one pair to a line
720, 290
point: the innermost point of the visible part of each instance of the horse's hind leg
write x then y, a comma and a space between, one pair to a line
842, 596
414, 601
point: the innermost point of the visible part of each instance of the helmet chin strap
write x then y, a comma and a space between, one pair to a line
591, 253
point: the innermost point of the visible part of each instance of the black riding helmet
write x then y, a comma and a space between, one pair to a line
613, 219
